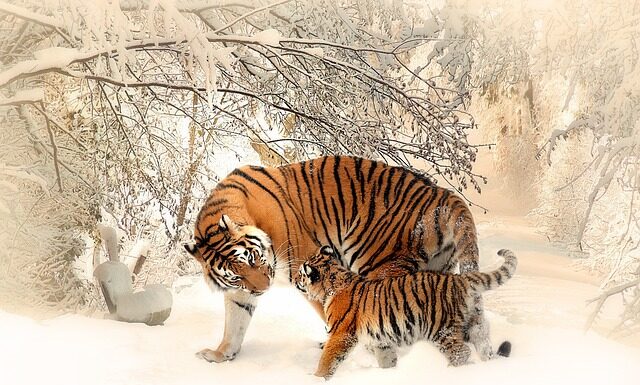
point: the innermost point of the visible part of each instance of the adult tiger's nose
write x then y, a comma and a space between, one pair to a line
255, 279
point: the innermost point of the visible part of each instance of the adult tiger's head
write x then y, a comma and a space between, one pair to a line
322, 275
235, 257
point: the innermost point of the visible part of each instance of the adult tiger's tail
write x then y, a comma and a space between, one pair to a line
486, 281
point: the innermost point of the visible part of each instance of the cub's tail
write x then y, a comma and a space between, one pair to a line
486, 281
504, 349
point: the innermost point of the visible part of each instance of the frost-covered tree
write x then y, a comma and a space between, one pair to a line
41, 220
564, 76
134, 104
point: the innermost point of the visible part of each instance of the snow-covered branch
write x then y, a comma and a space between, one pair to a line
630, 315
30, 16
29, 96
250, 13
140, 99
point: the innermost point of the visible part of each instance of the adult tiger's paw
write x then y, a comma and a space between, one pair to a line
215, 355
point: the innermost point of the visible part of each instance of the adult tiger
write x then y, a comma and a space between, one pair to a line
383, 221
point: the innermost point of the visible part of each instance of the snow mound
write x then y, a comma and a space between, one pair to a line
268, 37
151, 306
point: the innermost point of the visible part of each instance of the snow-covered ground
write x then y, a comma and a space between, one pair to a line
541, 311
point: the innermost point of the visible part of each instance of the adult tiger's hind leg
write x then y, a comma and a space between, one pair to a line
467, 255
238, 310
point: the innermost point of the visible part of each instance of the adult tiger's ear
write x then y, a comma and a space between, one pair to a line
190, 247
229, 226
312, 273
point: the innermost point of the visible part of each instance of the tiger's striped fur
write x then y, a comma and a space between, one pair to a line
393, 311
383, 221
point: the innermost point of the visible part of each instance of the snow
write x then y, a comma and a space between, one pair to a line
315, 51
57, 56
50, 61
24, 173
116, 277
225, 57
23, 96
28, 15
268, 37
4, 208
109, 241
541, 311
151, 305
140, 249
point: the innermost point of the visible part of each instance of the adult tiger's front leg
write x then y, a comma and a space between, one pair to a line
238, 307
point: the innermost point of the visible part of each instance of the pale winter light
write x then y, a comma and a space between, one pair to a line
119, 117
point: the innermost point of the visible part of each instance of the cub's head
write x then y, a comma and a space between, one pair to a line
322, 275
235, 257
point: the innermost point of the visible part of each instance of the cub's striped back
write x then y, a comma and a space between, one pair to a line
388, 312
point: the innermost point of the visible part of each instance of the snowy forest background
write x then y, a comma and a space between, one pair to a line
125, 114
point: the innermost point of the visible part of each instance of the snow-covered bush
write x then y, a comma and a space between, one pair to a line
45, 208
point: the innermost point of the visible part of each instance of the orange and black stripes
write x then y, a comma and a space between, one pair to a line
397, 310
372, 213
383, 220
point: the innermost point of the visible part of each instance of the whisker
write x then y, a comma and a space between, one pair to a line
278, 250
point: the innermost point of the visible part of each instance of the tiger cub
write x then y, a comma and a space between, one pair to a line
385, 313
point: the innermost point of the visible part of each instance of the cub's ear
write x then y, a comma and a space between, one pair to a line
327, 250
312, 273
190, 247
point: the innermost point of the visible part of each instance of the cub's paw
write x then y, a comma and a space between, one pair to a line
324, 374
214, 355
387, 358
486, 353
388, 362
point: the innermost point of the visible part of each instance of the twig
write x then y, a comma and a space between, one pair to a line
26, 14
54, 146
253, 12
604, 296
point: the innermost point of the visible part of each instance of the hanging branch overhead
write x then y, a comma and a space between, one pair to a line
348, 86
